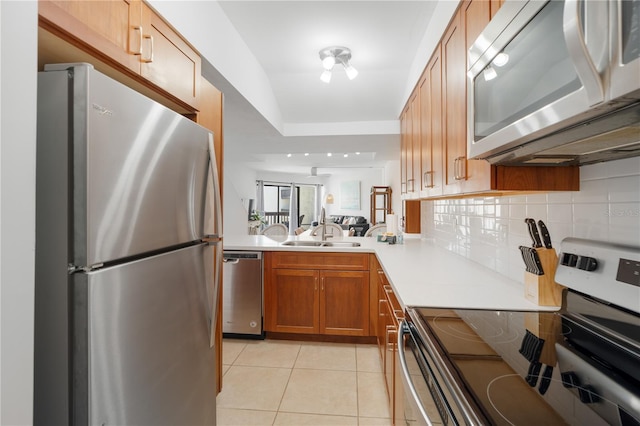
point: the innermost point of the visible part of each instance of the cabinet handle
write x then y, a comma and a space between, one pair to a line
139, 51
428, 185
399, 314
458, 171
403, 187
315, 287
412, 185
391, 329
380, 309
322, 285
150, 58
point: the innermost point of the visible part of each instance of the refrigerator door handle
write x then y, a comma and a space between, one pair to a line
217, 271
216, 202
217, 235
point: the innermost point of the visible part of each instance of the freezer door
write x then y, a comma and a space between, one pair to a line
139, 170
141, 342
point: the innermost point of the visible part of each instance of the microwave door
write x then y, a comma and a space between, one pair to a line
540, 88
625, 48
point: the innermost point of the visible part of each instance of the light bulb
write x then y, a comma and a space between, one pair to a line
326, 76
328, 62
351, 72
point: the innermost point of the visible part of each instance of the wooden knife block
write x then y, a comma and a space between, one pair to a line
546, 327
543, 289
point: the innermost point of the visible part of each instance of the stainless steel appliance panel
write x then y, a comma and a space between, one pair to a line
146, 337
138, 168
571, 71
242, 290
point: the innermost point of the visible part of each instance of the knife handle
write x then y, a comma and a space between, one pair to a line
538, 270
546, 238
533, 231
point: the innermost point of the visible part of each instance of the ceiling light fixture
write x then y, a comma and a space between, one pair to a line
333, 55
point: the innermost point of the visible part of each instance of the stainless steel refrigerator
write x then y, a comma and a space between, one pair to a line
127, 233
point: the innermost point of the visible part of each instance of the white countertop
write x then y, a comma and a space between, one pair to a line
420, 273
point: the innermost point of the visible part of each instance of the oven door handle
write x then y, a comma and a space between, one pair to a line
402, 330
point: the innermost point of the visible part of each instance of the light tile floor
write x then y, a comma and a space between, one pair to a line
276, 382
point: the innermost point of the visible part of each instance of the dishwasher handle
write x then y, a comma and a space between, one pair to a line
231, 261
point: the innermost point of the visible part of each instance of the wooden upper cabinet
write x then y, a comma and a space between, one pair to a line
404, 137
454, 106
107, 28
167, 60
416, 147
130, 37
476, 15
442, 131
495, 5
431, 126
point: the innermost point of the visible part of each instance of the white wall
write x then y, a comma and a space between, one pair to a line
239, 186
489, 230
366, 177
18, 67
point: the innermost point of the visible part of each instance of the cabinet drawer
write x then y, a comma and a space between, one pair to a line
324, 260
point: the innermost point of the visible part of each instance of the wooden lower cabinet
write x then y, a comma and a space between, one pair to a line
292, 301
390, 315
329, 300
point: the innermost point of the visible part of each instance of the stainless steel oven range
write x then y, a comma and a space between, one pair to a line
579, 365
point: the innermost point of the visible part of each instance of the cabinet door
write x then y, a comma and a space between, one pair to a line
413, 181
110, 28
431, 126
291, 301
390, 337
454, 84
476, 16
404, 138
344, 303
167, 60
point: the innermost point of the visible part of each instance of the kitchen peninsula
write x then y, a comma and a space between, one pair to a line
420, 273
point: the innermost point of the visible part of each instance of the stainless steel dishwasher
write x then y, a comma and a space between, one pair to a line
242, 294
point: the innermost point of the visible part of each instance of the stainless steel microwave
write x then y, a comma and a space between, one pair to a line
556, 83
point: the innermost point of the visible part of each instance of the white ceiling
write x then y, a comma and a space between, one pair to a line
342, 117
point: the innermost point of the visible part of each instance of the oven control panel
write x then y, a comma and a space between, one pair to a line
585, 263
629, 272
606, 271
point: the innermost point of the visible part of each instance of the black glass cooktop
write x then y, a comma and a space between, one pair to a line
534, 368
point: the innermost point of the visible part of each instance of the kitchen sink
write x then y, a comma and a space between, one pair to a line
340, 244
321, 244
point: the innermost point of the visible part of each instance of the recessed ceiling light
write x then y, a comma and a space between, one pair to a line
288, 155
357, 153
346, 155
328, 154
306, 154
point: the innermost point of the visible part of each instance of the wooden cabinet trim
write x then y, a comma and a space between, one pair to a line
324, 260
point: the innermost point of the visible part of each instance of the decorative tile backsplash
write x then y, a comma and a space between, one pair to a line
489, 230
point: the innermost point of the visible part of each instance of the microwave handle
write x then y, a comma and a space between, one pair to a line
586, 69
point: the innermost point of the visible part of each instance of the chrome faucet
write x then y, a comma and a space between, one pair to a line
323, 222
